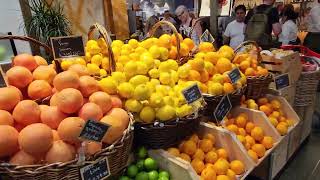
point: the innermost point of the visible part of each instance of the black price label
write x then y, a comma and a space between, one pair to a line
192, 94
234, 75
94, 130
98, 170
67, 46
223, 108
207, 37
282, 81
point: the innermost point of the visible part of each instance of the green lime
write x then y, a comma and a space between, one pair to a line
153, 175
132, 171
164, 174
142, 176
140, 164
150, 164
124, 178
163, 178
142, 153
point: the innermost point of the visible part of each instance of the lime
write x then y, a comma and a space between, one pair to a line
140, 165
150, 164
153, 175
124, 178
132, 170
142, 153
164, 174
163, 178
142, 176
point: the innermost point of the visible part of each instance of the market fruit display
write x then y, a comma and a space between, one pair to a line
32, 132
252, 136
249, 65
208, 161
144, 168
273, 110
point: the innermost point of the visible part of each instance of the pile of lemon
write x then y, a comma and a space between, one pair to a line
250, 135
206, 160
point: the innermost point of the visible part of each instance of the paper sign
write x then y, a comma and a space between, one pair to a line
282, 81
98, 170
67, 46
207, 37
192, 94
234, 75
94, 130
223, 108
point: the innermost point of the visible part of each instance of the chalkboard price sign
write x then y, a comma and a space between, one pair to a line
282, 81
94, 130
223, 108
96, 171
67, 46
234, 75
192, 94
207, 37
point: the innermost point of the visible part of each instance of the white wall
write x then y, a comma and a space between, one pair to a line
11, 20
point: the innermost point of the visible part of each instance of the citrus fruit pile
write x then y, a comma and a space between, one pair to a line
250, 135
274, 112
34, 134
145, 168
249, 65
206, 160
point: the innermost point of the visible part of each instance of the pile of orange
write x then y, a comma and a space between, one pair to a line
249, 65
250, 135
209, 163
273, 110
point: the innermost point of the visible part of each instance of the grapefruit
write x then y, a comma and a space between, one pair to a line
39, 89
25, 60
9, 98
8, 140
26, 112
69, 100
19, 77
66, 79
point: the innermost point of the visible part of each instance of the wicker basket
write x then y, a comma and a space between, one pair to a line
306, 88
117, 154
257, 86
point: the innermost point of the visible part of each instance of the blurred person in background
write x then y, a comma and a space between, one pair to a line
189, 27
167, 17
313, 37
151, 21
302, 20
289, 33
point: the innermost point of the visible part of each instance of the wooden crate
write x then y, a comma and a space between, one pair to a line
279, 156
259, 119
288, 93
294, 139
180, 169
307, 122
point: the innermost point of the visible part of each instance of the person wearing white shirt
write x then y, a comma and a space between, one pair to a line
313, 37
289, 33
234, 33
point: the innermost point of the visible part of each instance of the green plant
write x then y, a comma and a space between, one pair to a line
47, 20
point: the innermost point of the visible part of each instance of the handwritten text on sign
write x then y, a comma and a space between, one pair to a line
282, 81
94, 130
68, 46
192, 94
234, 75
96, 171
223, 108
207, 37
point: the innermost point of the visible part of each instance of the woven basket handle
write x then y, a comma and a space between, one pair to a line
29, 39
259, 58
174, 30
104, 33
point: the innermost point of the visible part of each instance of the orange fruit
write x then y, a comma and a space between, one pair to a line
242, 139
267, 110
189, 147
189, 43
40, 61
228, 88
197, 165
102, 99
69, 129
233, 128
174, 39
250, 140
249, 72
55, 135
249, 127
262, 101
273, 121
223, 65
185, 157
194, 138
253, 155
282, 129
257, 133
8, 141
26, 112
222, 153
206, 145
66, 79
237, 166
247, 146
206, 47
242, 132
259, 149
244, 115
204, 75
80, 69
275, 104
275, 114
164, 41
221, 167
184, 49
211, 137
199, 154
88, 85
6, 118
208, 174
39, 89
212, 57
282, 119
211, 157
244, 65
241, 121
9, 98
19, 76
194, 75
90, 111
51, 116
25, 60
173, 52
44, 73
69, 100
262, 72
231, 174
173, 151
267, 142
223, 177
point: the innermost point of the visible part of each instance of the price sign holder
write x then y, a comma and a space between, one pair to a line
96, 171
94, 130
192, 94
67, 46
207, 37
282, 81
234, 75
222, 109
